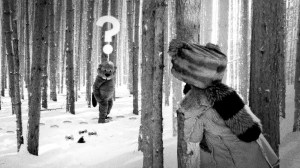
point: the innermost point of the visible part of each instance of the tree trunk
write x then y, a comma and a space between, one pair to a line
44, 58
78, 59
244, 64
207, 29
89, 51
113, 55
63, 48
146, 130
130, 8
21, 21
35, 87
6, 26
3, 60
105, 5
187, 29
135, 59
84, 44
27, 47
69, 44
158, 70
54, 25
167, 61
296, 126
176, 84
16, 100
114, 12
99, 30
223, 28
223, 25
58, 44
267, 57
9, 49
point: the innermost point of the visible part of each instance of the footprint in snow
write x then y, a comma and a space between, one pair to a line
120, 116
132, 118
0, 128
67, 121
54, 126
83, 122
10, 132
42, 124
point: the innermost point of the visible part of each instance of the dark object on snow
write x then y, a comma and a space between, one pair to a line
69, 137
101, 121
82, 132
81, 140
108, 118
94, 101
92, 133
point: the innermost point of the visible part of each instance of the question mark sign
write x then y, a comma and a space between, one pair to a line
107, 49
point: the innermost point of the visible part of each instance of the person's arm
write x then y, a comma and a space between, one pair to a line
96, 88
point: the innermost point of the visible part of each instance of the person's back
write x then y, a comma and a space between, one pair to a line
224, 149
215, 116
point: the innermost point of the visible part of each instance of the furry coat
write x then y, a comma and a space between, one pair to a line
104, 89
231, 131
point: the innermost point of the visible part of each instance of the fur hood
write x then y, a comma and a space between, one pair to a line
228, 104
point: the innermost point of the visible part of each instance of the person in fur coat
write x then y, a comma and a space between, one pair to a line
215, 115
104, 89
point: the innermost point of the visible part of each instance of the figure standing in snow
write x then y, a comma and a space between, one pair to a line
215, 113
104, 89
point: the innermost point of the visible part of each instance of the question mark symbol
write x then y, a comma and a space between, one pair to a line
107, 49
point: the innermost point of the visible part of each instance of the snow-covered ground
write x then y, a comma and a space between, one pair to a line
114, 146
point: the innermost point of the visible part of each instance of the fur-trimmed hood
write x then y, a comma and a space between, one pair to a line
228, 104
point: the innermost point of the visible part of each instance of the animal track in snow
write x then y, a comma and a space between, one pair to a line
54, 126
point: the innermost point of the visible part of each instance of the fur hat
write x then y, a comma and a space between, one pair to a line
197, 65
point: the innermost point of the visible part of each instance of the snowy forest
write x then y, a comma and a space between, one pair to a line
51, 51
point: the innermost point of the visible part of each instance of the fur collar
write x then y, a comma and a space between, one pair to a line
228, 104
217, 91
